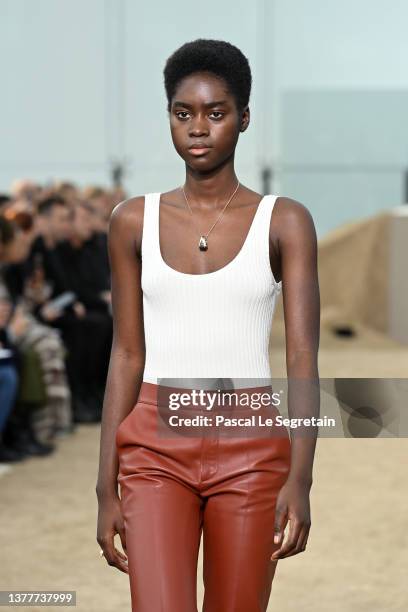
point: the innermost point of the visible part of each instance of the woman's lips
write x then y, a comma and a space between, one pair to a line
198, 150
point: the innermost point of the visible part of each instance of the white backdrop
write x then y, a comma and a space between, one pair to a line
82, 86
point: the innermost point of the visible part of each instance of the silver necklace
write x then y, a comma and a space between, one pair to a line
203, 242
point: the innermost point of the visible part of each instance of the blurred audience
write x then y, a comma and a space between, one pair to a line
55, 312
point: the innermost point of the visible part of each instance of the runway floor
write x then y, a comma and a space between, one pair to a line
357, 554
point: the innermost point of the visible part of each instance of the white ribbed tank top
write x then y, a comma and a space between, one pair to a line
213, 325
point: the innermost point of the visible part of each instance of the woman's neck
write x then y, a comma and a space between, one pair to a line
212, 189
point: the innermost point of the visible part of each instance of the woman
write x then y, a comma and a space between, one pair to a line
196, 304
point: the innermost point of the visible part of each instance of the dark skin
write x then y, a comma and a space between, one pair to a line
204, 111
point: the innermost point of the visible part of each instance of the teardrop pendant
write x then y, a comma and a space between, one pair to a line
203, 244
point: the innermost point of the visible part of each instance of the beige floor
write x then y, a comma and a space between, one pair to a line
357, 554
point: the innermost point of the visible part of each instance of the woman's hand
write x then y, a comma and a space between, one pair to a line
292, 505
110, 522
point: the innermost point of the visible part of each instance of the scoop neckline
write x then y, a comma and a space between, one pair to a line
214, 272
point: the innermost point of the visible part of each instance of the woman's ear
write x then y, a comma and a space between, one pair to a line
245, 119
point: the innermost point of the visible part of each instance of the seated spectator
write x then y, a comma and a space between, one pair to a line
42, 403
8, 366
58, 277
72, 257
86, 267
46, 283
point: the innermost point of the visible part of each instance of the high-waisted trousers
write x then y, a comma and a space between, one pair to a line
174, 490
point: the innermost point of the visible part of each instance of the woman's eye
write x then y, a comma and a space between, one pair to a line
185, 115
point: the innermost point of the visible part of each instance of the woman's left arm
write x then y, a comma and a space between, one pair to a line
297, 243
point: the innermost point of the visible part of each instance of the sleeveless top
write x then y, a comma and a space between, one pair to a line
212, 325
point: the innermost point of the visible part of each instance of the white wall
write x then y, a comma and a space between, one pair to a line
82, 85
52, 109
340, 90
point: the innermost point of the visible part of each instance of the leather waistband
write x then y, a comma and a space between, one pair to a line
148, 393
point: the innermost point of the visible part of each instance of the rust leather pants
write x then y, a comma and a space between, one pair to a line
173, 490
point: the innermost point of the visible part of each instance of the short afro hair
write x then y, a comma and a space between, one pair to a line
219, 57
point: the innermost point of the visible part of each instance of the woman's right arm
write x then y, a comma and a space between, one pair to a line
126, 365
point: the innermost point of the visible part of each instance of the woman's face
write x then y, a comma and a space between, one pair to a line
204, 121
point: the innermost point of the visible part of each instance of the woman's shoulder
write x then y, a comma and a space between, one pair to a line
293, 219
126, 217
128, 207
290, 211
290, 204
